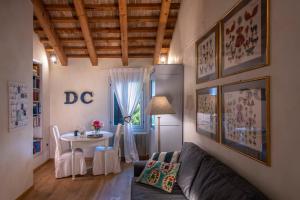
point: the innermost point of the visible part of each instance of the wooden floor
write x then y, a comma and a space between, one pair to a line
110, 187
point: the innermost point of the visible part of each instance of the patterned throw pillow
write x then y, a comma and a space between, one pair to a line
168, 157
160, 174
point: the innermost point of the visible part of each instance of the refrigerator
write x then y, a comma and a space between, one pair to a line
167, 80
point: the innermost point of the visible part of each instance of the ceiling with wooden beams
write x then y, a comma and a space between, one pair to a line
106, 28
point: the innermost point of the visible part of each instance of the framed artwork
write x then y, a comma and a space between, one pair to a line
245, 114
207, 112
207, 55
245, 37
18, 105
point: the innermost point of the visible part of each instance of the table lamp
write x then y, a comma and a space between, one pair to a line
159, 105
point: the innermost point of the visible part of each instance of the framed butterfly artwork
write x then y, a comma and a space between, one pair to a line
245, 37
207, 55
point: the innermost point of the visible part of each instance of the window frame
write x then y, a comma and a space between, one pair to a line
136, 128
152, 89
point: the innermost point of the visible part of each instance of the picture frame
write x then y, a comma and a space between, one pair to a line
18, 106
207, 56
245, 118
245, 40
207, 112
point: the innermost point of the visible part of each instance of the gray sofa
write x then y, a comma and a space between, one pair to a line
201, 177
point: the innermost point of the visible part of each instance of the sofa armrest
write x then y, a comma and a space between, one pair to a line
139, 167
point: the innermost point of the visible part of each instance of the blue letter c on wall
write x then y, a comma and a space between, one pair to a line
83, 97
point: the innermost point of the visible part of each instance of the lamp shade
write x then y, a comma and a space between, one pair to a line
159, 105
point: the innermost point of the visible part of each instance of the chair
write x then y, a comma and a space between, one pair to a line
63, 159
107, 159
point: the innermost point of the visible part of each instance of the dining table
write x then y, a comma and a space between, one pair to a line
84, 141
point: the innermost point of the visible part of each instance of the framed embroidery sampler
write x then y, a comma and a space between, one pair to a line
245, 110
207, 112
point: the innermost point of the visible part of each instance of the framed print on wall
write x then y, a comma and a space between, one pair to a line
245, 114
207, 112
18, 105
245, 37
207, 56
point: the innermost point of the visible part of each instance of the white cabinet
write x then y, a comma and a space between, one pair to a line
167, 80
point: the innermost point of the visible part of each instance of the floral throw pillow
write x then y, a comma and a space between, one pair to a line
160, 175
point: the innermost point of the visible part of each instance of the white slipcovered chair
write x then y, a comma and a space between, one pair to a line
108, 159
63, 159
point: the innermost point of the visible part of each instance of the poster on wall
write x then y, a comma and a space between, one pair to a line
207, 55
245, 37
245, 118
18, 105
207, 112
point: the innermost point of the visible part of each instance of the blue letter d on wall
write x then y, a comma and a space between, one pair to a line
71, 97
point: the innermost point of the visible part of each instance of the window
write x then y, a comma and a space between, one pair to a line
137, 117
152, 90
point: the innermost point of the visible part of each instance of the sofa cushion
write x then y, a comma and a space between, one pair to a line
160, 174
215, 180
168, 157
141, 191
190, 158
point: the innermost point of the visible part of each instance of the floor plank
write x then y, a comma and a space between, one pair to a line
88, 187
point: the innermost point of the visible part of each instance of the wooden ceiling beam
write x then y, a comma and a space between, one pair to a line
131, 19
146, 38
142, 19
44, 21
79, 40
80, 11
108, 48
124, 30
83, 48
78, 30
110, 7
61, 20
148, 29
106, 30
98, 55
151, 6
139, 55
163, 18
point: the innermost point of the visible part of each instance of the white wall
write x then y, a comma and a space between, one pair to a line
15, 65
40, 56
80, 76
281, 180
